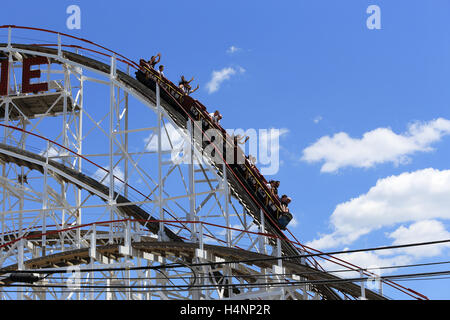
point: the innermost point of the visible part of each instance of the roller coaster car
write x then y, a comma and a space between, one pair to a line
284, 219
189, 104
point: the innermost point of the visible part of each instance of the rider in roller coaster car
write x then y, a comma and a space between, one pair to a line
153, 60
150, 64
160, 70
252, 161
185, 86
216, 117
285, 216
273, 186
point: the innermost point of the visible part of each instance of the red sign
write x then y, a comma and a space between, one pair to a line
27, 75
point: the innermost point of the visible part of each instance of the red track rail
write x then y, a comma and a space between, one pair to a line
126, 60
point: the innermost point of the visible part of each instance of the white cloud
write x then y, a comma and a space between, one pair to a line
366, 260
103, 176
217, 77
409, 197
171, 138
233, 49
293, 223
54, 154
51, 152
317, 119
422, 231
377, 146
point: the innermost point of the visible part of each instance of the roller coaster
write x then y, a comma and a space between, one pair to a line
94, 207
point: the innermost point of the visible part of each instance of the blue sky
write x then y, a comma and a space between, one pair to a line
314, 69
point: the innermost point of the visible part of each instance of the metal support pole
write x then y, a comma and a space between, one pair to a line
126, 139
227, 200
65, 141
80, 150
66, 94
108, 285
363, 287
148, 274
92, 255
380, 288
44, 205
4, 172
112, 103
9, 37
59, 46
161, 233
262, 229
201, 236
20, 265
280, 261
127, 242
192, 204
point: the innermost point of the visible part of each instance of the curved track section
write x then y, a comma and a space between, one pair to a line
37, 162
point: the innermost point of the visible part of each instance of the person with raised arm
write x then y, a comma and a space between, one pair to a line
185, 86
154, 60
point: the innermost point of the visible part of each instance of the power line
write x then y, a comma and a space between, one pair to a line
178, 264
238, 285
405, 266
420, 279
201, 275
